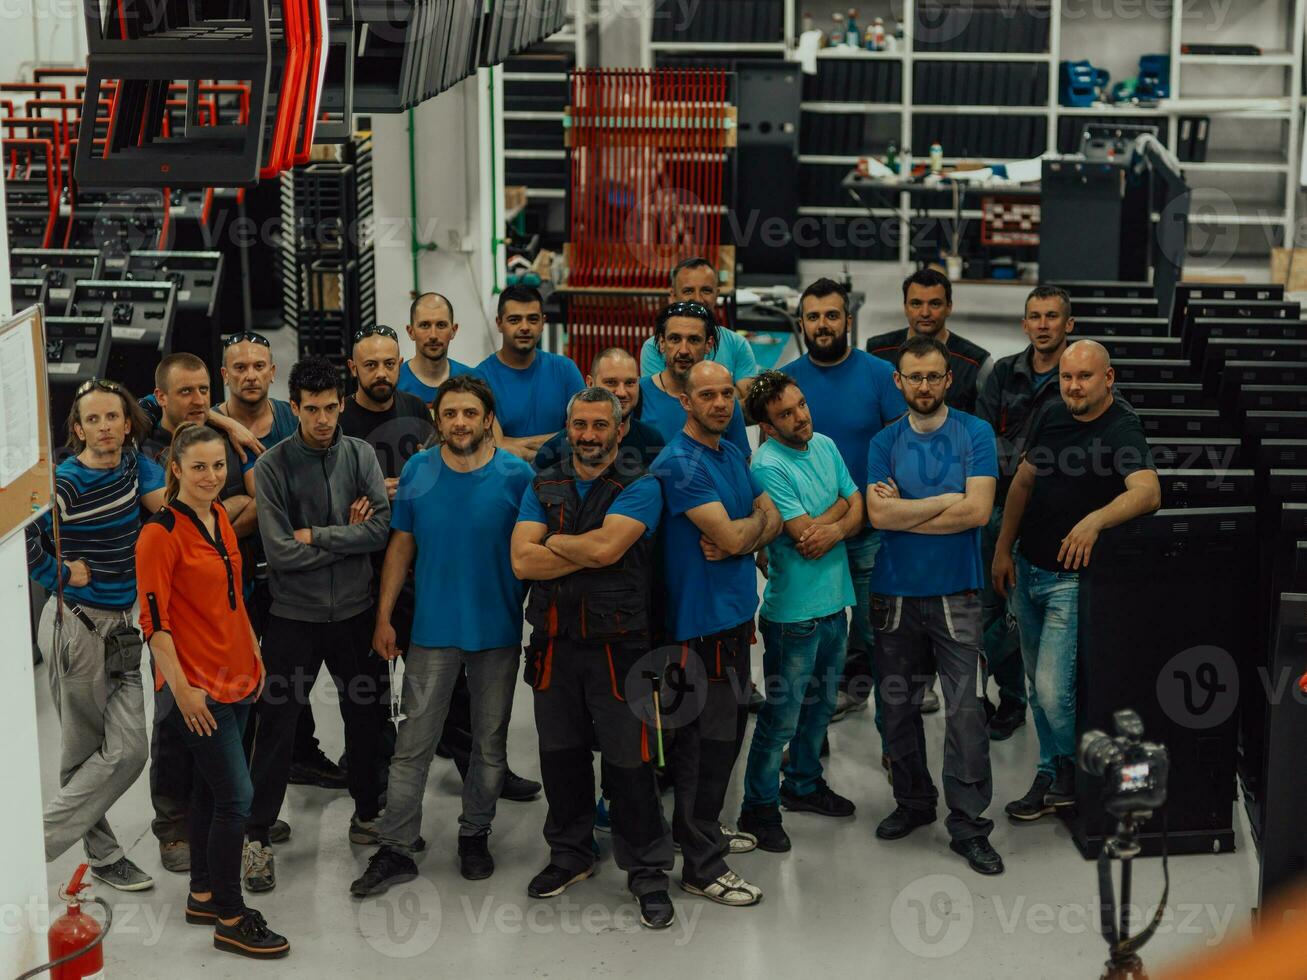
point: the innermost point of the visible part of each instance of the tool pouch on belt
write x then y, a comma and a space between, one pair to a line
724, 653
122, 645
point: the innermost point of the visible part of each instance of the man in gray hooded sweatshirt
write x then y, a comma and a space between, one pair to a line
323, 512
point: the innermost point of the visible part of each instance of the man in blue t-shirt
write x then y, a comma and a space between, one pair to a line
802, 623
715, 516
95, 685
431, 327
531, 386
930, 487
694, 280
584, 542
453, 516
686, 334
851, 395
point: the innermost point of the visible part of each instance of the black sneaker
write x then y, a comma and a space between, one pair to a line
554, 880
386, 867
764, 823
1010, 716
279, 832
518, 789
929, 701
982, 858
1031, 806
474, 860
822, 800
318, 770
200, 913
902, 822
123, 875
1063, 791
362, 831
250, 936
656, 910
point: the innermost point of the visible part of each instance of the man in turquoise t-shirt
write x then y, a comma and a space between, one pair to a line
803, 628
694, 280
452, 518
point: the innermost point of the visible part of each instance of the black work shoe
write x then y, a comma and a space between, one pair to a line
385, 868
200, 913
279, 832
982, 858
1031, 806
175, 855
822, 800
902, 822
250, 936
656, 910
318, 770
519, 789
554, 880
1010, 716
474, 860
929, 701
1063, 791
764, 823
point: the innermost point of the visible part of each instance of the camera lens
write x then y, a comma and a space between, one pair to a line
1098, 751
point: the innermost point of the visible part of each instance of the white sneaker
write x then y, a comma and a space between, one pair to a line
739, 841
258, 869
729, 889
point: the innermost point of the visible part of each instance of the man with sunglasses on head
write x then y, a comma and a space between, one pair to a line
181, 389
431, 327
531, 386
930, 487
91, 650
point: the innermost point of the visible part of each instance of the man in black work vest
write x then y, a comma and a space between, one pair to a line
584, 541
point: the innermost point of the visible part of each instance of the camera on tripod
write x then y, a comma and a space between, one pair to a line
1133, 771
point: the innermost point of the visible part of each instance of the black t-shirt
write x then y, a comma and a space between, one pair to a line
1080, 467
640, 447
157, 444
396, 434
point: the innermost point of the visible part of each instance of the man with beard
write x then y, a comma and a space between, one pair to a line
1086, 468
531, 386
686, 334
930, 489
615, 370
584, 540
851, 396
802, 621
1020, 388
694, 280
715, 517
397, 425
100, 494
927, 304
456, 504
182, 393
431, 327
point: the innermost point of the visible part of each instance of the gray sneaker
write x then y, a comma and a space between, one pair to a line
258, 869
123, 875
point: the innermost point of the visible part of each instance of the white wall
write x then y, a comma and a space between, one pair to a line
22, 848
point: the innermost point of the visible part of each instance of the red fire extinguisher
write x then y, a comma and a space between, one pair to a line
75, 937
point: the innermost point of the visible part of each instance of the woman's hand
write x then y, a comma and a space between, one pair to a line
195, 712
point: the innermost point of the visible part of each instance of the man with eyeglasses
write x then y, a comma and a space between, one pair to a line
695, 280
531, 386
686, 334
91, 648
397, 425
181, 389
431, 327
930, 487
851, 396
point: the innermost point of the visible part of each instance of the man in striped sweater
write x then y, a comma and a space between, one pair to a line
93, 651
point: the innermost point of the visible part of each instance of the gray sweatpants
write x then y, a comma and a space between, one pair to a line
101, 712
429, 676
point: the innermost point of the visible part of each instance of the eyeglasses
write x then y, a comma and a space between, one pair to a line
377, 331
934, 379
86, 387
246, 337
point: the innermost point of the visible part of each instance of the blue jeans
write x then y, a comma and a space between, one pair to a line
860, 668
1047, 610
1002, 647
802, 663
221, 796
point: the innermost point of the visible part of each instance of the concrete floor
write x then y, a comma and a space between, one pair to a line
841, 901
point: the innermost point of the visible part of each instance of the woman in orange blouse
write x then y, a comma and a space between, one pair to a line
188, 570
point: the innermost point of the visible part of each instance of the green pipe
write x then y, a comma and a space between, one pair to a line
415, 246
495, 239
